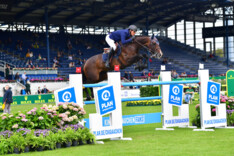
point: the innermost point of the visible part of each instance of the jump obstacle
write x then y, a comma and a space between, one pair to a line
115, 130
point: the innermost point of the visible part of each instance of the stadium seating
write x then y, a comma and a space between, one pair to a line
181, 57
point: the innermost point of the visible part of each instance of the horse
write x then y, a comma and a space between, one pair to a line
94, 69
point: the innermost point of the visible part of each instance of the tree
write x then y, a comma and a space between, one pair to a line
219, 52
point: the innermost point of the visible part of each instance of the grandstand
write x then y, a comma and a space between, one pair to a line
70, 23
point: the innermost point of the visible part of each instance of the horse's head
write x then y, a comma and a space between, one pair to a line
154, 47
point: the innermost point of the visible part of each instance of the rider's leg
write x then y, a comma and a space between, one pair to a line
112, 45
109, 57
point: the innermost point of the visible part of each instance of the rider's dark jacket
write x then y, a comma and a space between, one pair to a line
121, 35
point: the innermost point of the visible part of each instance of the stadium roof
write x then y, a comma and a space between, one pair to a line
161, 13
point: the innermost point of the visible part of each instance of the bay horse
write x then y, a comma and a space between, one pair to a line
94, 69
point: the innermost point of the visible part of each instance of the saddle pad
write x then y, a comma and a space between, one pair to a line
105, 55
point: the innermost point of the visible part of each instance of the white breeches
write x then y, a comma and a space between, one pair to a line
110, 42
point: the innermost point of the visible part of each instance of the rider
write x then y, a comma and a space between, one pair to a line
125, 36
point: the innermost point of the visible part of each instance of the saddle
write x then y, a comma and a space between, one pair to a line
107, 50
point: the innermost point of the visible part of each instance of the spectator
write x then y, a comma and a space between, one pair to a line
69, 57
36, 46
165, 61
148, 78
24, 78
54, 65
81, 61
31, 64
143, 74
28, 90
58, 54
140, 65
126, 75
23, 91
89, 47
7, 72
17, 77
55, 60
188, 94
31, 55
150, 60
69, 45
80, 52
152, 73
204, 59
45, 90
211, 56
39, 57
131, 78
71, 64
28, 54
39, 90
174, 74
184, 74
7, 99
149, 74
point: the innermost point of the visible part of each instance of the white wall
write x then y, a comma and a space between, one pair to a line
34, 86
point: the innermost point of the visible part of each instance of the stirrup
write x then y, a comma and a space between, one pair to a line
107, 63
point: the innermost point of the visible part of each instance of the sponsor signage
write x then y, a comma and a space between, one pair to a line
31, 99
105, 100
230, 82
129, 120
213, 93
67, 95
175, 94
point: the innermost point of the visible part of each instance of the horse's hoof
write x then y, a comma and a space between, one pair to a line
88, 99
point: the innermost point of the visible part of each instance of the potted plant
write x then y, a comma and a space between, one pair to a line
77, 137
28, 141
59, 138
18, 142
69, 136
51, 141
80, 136
89, 137
4, 146
39, 142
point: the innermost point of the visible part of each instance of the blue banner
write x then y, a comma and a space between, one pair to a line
175, 94
213, 93
106, 100
67, 95
136, 119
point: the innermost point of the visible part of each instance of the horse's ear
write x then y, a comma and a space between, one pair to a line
152, 37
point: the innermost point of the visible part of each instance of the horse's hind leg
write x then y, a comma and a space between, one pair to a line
87, 94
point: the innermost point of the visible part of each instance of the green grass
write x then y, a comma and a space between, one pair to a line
147, 141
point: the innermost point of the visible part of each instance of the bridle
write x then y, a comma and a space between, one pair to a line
155, 54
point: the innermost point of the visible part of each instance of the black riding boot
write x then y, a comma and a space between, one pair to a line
108, 59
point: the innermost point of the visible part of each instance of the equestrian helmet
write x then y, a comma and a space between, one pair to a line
132, 27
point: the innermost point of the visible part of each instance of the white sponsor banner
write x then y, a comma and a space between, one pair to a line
131, 93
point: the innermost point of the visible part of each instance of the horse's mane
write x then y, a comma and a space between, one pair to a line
137, 38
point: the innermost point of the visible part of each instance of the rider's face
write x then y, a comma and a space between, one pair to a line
132, 32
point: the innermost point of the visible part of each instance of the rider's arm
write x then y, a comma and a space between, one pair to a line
123, 38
